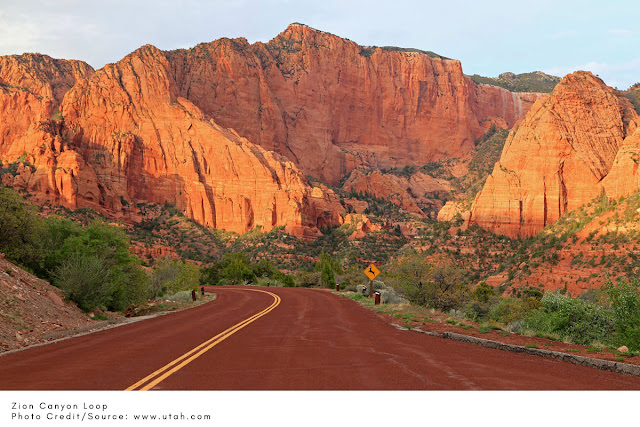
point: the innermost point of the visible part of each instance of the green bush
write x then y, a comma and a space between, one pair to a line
21, 231
308, 280
389, 296
625, 302
437, 284
173, 276
572, 318
182, 296
92, 264
476, 311
351, 279
236, 267
263, 281
506, 310
85, 280
328, 268
482, 292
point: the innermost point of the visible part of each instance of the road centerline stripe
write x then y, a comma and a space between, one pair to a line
161, 374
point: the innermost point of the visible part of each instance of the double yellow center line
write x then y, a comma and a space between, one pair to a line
161, 374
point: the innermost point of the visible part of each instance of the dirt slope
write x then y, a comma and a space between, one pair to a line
32, 310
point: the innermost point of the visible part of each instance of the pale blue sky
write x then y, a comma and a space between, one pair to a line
488, 37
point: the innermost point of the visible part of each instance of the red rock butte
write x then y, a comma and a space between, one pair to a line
570, 148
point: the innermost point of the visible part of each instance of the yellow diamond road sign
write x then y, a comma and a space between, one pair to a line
372, 272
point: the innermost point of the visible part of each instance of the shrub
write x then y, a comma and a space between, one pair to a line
328, 268
172, 276
389, 296
236, 267
482, 292
288, 281
182, 296
572, 318
86, 280
351, 279
327, 276
438, 284
307, 280
21, 231
476, 311
625, 302
263, 281
506, 310
264, 268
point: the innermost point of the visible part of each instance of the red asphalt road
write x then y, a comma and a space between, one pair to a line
313, 340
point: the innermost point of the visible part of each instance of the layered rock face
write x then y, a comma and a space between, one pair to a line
31, 89
556, 157
418, 194
127, 136
331, 105
623, 179
497, 105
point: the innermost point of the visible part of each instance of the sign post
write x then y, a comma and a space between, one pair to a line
371, 272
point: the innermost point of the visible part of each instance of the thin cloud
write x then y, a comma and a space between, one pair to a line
564, 34
621, 32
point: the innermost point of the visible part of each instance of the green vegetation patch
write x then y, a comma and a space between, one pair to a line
633, 95
536, 81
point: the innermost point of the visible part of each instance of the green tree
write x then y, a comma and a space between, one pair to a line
264, 268
436, 283
99, 247
236, 268
328, 268
327, 277
211, 275
21, 231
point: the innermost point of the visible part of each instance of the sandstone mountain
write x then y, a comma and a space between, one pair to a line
557, 158
331, 105
225, 131
125, 135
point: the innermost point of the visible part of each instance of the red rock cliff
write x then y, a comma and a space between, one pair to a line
31, 89
127, 136
331, 105
556, 157
156, 126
